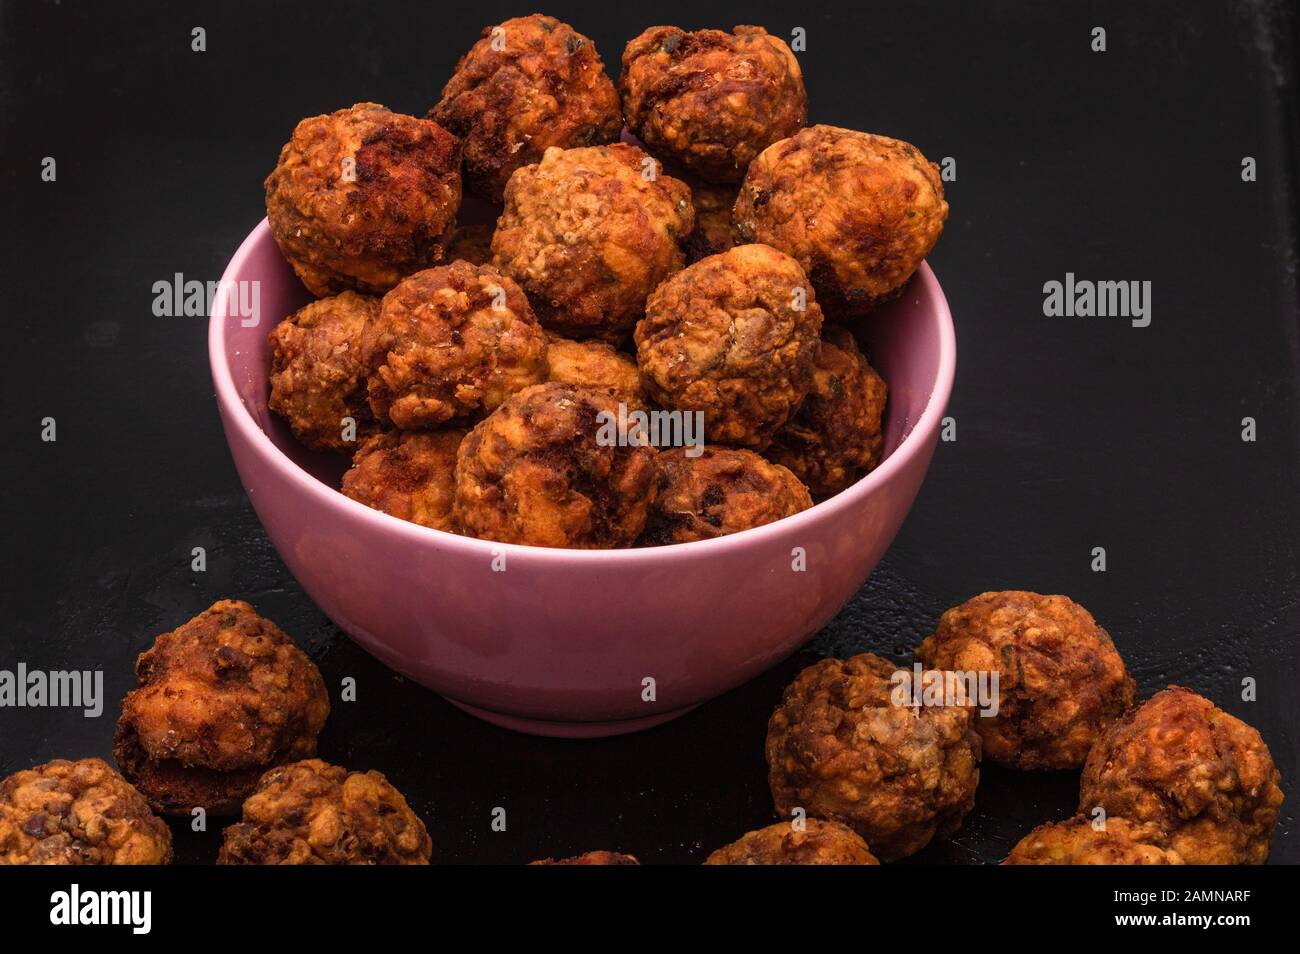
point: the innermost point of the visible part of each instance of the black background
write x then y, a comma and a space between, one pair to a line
1071, 433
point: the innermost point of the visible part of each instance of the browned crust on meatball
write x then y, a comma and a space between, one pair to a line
362, 197
317, 377
839, 748
1202, 777
719, 492
727, 337
818, 843
1061, 682
714, 232
313, 813
712, 100
588, 237
537, 472
859, 212
78, 813
594, 364
546, 87
591, 858
411, 476
837, 435
451, 343
217, 701
471, 243
1076, 842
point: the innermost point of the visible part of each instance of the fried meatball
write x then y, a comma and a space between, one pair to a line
313, 813
78, 813
317, 378
713, 232
217, 702
712, 100
471, 243
593, 364
1203, 778
734, 336
540, 472
837, 435
409, 475
591, 858
589, 233
1075, 842
898, 775
1061, 683
528, 84
450, 343
719, 492
362, 197
859, 212
819, 843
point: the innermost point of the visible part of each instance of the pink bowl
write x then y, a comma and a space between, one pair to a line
562, 642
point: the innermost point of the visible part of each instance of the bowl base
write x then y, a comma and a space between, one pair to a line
569, 730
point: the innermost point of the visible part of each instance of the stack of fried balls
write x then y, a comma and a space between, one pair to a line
704, 267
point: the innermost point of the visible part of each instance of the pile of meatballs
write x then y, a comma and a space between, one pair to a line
706, 268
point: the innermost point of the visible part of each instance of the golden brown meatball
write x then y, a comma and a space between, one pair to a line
589, 233
1203, 778
593, 364
859, 212
528, 84
819, 843
471, 243
362, 197
591, 858
78, 813
1061, 683
451, 342
410, 475
719, 492
714, 232
313, 813
898, 775
317, 378
734, 336
712, 100
837, 435
217, 702
538, 472
1076, 842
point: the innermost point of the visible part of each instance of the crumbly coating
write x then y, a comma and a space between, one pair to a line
859, 212
712, 100
1075, 842
722, 491
840, 749
217, 701
471, 243
317, 377
591, 858
538, 472
589, 233
714, 232
543, 85
837, 435
1202, 777
313, 813
593, 364
1061, 682
734, 336
78, 813
819, 843
450, 343
410, 475
362, 197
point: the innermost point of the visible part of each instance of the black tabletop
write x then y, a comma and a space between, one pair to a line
1073, 433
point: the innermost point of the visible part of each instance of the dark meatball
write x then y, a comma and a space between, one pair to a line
471, 243
362, 197
734, 336
1077, 842
528, 84
318, 382
591, 858
817, 843
714, 232
410, 475
709, 99
858, 212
